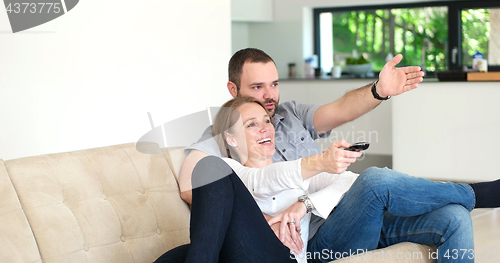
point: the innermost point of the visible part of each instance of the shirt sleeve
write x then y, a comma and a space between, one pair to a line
305, 112
327, 190
206, 144
267, 181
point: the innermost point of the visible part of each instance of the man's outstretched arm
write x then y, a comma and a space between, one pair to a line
185, 174
392, 82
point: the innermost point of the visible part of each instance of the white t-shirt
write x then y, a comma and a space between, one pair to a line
277, 186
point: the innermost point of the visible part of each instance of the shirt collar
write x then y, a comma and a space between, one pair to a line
277, 118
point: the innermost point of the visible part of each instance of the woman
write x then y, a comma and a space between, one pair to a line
376, 206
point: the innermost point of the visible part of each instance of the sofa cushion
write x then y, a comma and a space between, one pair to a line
17, 243
403, 252
110, 204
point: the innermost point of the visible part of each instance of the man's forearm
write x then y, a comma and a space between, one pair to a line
348, 108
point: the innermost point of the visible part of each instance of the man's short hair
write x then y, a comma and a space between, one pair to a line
251, 55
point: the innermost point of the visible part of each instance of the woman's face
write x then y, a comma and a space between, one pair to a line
256, 134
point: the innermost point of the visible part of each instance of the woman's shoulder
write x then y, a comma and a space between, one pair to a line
231, 162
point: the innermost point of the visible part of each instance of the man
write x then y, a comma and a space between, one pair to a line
253, 73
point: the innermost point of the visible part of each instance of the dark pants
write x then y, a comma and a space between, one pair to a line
226, 223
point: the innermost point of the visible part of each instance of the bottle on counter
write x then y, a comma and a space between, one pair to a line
308, 69
292, 72
476, 58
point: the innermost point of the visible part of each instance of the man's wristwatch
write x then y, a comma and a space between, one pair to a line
307, 202
375, 94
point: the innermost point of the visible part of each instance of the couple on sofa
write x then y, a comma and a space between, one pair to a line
299, 191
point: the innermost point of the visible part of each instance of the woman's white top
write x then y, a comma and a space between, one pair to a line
277, 186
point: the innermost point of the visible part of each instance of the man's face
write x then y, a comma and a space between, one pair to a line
260, 81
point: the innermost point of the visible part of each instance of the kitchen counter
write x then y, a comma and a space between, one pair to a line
349, 78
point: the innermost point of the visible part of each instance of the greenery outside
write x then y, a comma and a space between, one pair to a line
476, 33
376, 33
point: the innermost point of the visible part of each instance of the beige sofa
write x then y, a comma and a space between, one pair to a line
110, 204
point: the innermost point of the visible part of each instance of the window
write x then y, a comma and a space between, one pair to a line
481, 33
435, 35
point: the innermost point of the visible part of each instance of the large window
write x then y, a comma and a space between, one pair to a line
435, 35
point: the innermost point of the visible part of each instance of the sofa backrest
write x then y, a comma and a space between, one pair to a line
110, 204
17, 242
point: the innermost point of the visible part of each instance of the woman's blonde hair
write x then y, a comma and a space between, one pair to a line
227, 116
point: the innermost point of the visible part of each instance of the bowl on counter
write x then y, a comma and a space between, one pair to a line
360, 69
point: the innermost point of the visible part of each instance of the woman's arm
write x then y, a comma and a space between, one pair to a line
291, 174
334, 160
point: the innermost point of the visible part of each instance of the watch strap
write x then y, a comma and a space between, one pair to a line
375, 94
307, 202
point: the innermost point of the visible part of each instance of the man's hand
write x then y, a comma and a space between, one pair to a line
394, 81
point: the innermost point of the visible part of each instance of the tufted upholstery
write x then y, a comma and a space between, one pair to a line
17, 243
110, 204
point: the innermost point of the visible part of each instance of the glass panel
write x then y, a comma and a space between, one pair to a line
479, 35
325, 20
409, 31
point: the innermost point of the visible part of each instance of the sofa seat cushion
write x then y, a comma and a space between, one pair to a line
110, 204
403, 252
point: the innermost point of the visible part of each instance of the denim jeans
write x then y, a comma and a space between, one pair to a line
226, 223
384, 207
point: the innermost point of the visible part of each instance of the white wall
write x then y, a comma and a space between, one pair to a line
88, 78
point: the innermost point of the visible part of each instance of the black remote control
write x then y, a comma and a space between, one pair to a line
359, 146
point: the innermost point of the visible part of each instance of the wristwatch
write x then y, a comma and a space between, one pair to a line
307, 202
375, 94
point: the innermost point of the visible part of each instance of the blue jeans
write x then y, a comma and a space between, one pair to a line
384, 207
226, 223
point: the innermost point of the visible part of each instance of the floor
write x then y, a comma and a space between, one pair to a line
486, 223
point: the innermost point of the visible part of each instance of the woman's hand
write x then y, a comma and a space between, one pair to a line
290, 220
295, 246
334, 160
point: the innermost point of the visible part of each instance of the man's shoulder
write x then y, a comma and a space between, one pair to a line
285, 108
206, 144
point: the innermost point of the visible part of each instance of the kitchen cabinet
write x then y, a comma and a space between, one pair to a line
448, 131
441, 131
252, 10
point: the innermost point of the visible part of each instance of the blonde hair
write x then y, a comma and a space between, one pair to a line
227, 116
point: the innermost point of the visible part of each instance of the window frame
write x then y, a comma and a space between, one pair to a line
454, 23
